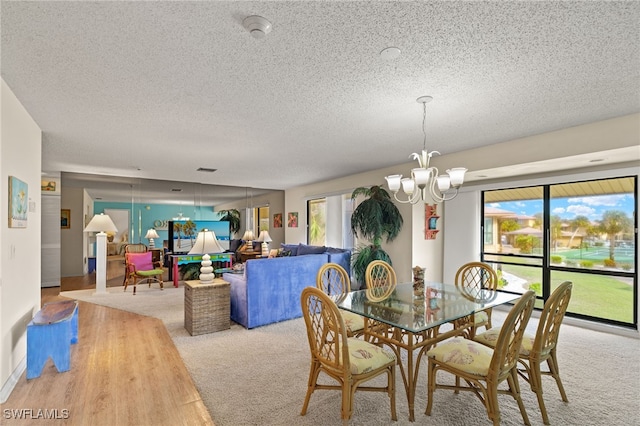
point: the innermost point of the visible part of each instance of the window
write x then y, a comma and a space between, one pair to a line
584, 232
317, 214
329, 221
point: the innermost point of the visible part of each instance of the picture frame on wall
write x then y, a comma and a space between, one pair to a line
277, 220
18, 202
292, 219
65, 219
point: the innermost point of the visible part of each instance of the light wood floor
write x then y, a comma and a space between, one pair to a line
125, 370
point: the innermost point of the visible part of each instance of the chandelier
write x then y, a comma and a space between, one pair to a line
425, 179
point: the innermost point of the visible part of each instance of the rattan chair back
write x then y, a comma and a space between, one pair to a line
380, 279
333, 279
135, 248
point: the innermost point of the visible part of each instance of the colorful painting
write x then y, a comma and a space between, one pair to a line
48, 186
292, 219
65, 219
277, 220
18, 203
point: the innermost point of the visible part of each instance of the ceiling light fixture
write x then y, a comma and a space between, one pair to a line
258, 26
423, 179
390, 53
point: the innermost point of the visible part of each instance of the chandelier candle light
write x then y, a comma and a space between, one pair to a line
206, 243
424, 179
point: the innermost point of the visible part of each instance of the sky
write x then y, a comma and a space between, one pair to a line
568, 208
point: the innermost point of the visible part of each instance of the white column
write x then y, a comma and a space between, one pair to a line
101, 263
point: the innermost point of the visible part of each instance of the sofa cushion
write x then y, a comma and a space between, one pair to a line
306, 249
291, 248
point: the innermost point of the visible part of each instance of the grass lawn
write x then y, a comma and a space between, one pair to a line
594, 295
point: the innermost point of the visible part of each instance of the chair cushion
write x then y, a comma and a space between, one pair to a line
490, 337
141, 261
480, 317
463, 354
353, 322
150, 273
365, 356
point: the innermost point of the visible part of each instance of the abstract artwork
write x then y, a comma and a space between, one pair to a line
292, 219
18, 203
277, 220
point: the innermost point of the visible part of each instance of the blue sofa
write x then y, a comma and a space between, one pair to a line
269, 290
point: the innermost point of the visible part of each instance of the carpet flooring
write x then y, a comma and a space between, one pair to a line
259, 376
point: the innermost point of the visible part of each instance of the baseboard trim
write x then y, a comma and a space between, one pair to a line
12, 381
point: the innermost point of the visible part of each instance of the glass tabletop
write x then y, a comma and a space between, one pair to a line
437, 304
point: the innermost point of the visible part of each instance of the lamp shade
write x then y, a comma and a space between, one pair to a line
248, 235
151, 233
101, 223
264, 237
206, 242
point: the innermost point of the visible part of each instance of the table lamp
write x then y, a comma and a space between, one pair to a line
248, 238
265, 239
206, 243
101, 223
151, 234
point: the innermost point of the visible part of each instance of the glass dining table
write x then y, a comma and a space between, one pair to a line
410, 320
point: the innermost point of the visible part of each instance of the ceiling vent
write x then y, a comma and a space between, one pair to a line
257, 26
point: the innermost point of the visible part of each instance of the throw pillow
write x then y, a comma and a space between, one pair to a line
292, 248
305, 249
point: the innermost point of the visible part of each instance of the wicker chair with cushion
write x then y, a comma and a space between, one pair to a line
334, 280
140, 267
540, 347
481, 367
131, 248
472, 278
348, 360
380, 279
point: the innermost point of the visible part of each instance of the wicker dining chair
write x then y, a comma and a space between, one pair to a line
380, 280
482, 368
348, 360
334, 280
540, 347
471, 279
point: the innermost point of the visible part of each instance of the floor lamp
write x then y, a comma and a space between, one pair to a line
101, 223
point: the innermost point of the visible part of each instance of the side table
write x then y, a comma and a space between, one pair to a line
207, 307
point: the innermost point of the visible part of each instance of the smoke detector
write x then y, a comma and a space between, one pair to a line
257, 26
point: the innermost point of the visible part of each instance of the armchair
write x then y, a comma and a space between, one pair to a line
141, 267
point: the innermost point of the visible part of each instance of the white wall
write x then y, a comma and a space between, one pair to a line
20, 147
72, 260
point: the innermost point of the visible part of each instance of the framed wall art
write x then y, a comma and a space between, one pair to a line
292, 219
277, 220
18, 202
65, 218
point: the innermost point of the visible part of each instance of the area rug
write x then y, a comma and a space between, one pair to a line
259, 376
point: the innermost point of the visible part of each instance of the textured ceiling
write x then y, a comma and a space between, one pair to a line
154, 90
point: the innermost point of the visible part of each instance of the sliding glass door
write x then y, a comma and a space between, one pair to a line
584, 232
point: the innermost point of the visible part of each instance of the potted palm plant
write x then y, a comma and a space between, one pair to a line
233, 217
375, 219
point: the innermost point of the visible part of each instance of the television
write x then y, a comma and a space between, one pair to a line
183, 233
